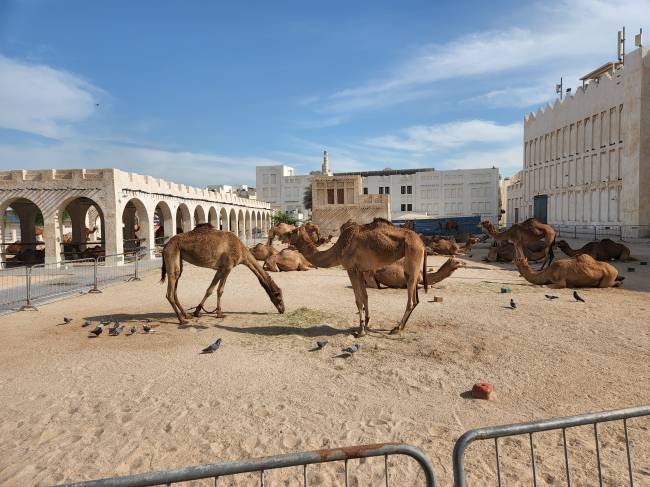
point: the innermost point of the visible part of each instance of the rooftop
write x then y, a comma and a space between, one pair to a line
385, 172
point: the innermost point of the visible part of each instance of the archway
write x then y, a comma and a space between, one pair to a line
163, 225
224, 224
135, 225
213, 217
82, 229
183, 219
233, 222
21, 225
241, 225
199, 215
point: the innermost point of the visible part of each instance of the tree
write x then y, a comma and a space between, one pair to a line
282, 217
307, 198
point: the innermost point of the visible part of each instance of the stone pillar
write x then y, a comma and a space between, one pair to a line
112, 234
77, 212
128, 227
52, 237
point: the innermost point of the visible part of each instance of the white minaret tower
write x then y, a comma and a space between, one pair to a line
326, 164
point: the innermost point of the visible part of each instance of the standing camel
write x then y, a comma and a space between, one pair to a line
370, 247
521, 235
279, 231
208, 247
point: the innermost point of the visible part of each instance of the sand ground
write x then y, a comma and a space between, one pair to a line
73, 407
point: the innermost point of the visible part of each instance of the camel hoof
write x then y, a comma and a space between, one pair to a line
196, 313
183, 322
219, 314
395, 331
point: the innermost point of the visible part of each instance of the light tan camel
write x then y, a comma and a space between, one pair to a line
313, 230
521, 235
393, 276
369, 247
208, 247
580, 271
605, 249
502, 251
287, 260
280, 230
263, 251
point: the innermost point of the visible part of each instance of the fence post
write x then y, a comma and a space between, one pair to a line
28, 290
595, 232
135, 276
95, 289
575, 232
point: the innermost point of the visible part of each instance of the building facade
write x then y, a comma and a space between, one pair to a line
438, 194
586, 159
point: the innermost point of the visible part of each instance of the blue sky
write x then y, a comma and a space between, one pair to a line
201, 92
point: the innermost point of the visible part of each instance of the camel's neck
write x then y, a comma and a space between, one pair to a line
262, 276
569, 251
440, 275
532, 276
326, 258
496, 235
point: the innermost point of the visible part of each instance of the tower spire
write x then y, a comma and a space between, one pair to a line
326, 164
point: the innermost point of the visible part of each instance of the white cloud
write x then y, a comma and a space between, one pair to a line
448, 136
38, 99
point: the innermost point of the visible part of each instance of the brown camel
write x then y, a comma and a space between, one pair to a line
287, 260
13, 248
580, 271
369, 247
503, 251
313, 230
604, 249
392, 276
208, 247
279, 230
263, 251
521, 235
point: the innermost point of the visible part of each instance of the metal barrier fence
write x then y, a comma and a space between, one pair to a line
24, 287
561, 424
596, 232
261, 465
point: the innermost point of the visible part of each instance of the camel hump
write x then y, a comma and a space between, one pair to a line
585, 258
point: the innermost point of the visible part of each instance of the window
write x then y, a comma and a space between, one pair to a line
409, 207
403, 206
387, 189
403, 189
340, 196
409, 190
330, 196
381, 190
365, 190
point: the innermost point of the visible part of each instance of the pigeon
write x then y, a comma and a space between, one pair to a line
98, 330
116, 330
321, 344
86, 323
213, 347
513, 305
133, 330
146, 328
577, 296
352, 349
67, 320
550, 296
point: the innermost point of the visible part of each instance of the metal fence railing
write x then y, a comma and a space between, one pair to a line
260, 466
560, 425
596, 232
24, 287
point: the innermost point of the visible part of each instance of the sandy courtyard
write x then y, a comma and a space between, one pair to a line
74, 408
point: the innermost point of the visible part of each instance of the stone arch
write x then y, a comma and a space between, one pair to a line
199, 215
241, 224
224, 222
213, 217
259, 224
163, 223
248, 226
183, 219
135, 225
75, 234
233, 221
22, 220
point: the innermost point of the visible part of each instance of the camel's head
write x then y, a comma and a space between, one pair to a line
453, 264
297, 235
275, 293
486, 225
563, 244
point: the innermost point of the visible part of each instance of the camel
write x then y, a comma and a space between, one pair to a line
13, 248
263, 251
279, 230
287, 260
580, 271
205, 246
392, 276
503, 251
451, 225
521, 235
370, 247
313, 230
604, 249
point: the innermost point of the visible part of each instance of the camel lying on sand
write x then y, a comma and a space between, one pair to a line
525, 233
205, 246
287, 260
502, 251
580, 271
393, 275
604, 249
263, 251
369, 247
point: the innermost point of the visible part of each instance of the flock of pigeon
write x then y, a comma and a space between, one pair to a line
550, 297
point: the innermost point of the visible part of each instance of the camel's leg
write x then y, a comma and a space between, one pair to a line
220, 288
412, 277
178, 303
364, 296
172, 281
357, 281
217, 277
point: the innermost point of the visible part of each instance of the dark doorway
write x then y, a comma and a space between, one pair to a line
540, 207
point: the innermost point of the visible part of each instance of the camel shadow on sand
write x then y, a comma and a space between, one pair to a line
279, 330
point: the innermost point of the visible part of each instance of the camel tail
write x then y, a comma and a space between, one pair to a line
424, 273
163, 270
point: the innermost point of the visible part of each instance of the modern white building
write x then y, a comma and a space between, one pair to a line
285, 190
586, 158
438, 194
